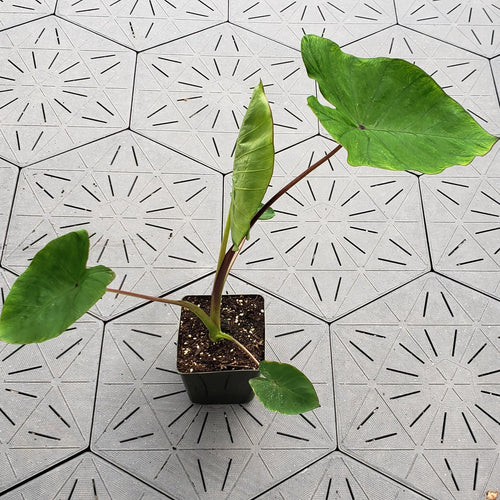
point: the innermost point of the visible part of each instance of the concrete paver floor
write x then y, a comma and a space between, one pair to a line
384, 287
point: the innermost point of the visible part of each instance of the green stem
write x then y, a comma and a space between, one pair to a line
225, 238
230, 257
216, 297
214, 332
244, 349
224, 266
292, 183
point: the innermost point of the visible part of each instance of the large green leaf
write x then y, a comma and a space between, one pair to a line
284, 388
253, 164
390, 113
53, 292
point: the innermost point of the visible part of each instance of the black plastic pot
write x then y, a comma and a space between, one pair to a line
223, 387
227, 386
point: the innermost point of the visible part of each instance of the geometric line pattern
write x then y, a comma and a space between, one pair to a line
470, 25
196, 100
341, 238
419, 373
46, 398
143, 24
14, 12
8, 176
146, 424
85, 477
153, 214
462, 210
60, 86
337, 476
343, 20
382, 286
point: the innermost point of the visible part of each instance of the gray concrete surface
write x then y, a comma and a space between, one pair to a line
120, 117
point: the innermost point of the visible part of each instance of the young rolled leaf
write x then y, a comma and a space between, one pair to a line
253, 164
284, 388
54, 291
389, 113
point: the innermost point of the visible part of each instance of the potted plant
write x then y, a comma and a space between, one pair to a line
387, 113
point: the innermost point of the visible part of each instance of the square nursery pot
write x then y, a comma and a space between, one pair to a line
215, 373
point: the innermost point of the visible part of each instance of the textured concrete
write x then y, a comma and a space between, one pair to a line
384, 287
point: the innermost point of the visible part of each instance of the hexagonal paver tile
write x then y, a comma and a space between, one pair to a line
471, 25
340, 238
418, 379
343, 20
8, 176
60, 86
463, 75
146, 424
191, 94
84, 477
153, 214
47, 395
462, 208
14, 12
141, 25
339, 477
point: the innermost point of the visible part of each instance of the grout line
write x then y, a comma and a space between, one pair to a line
496, 83
293, 475
244, 28
104, 322
38, 474
444, 41
396, 12
213, 26
74, 148
128, 473
380, 297
132, 92
100, 35
384, 474
466, 285
26, 22
307, 139
369, 35
333, 389
9, 218
178, 151
97, 384
424, 218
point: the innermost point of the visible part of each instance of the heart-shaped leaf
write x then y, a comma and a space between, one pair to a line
284, 388
53, 292
389, 113
253, 164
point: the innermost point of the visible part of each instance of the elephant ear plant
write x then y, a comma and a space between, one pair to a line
387, 113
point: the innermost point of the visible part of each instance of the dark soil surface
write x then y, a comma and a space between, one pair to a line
242, 316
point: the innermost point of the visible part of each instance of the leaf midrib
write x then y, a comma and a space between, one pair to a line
375, 130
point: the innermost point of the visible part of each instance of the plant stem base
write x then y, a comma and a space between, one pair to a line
218, 373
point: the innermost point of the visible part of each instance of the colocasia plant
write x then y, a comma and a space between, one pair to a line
386, 113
